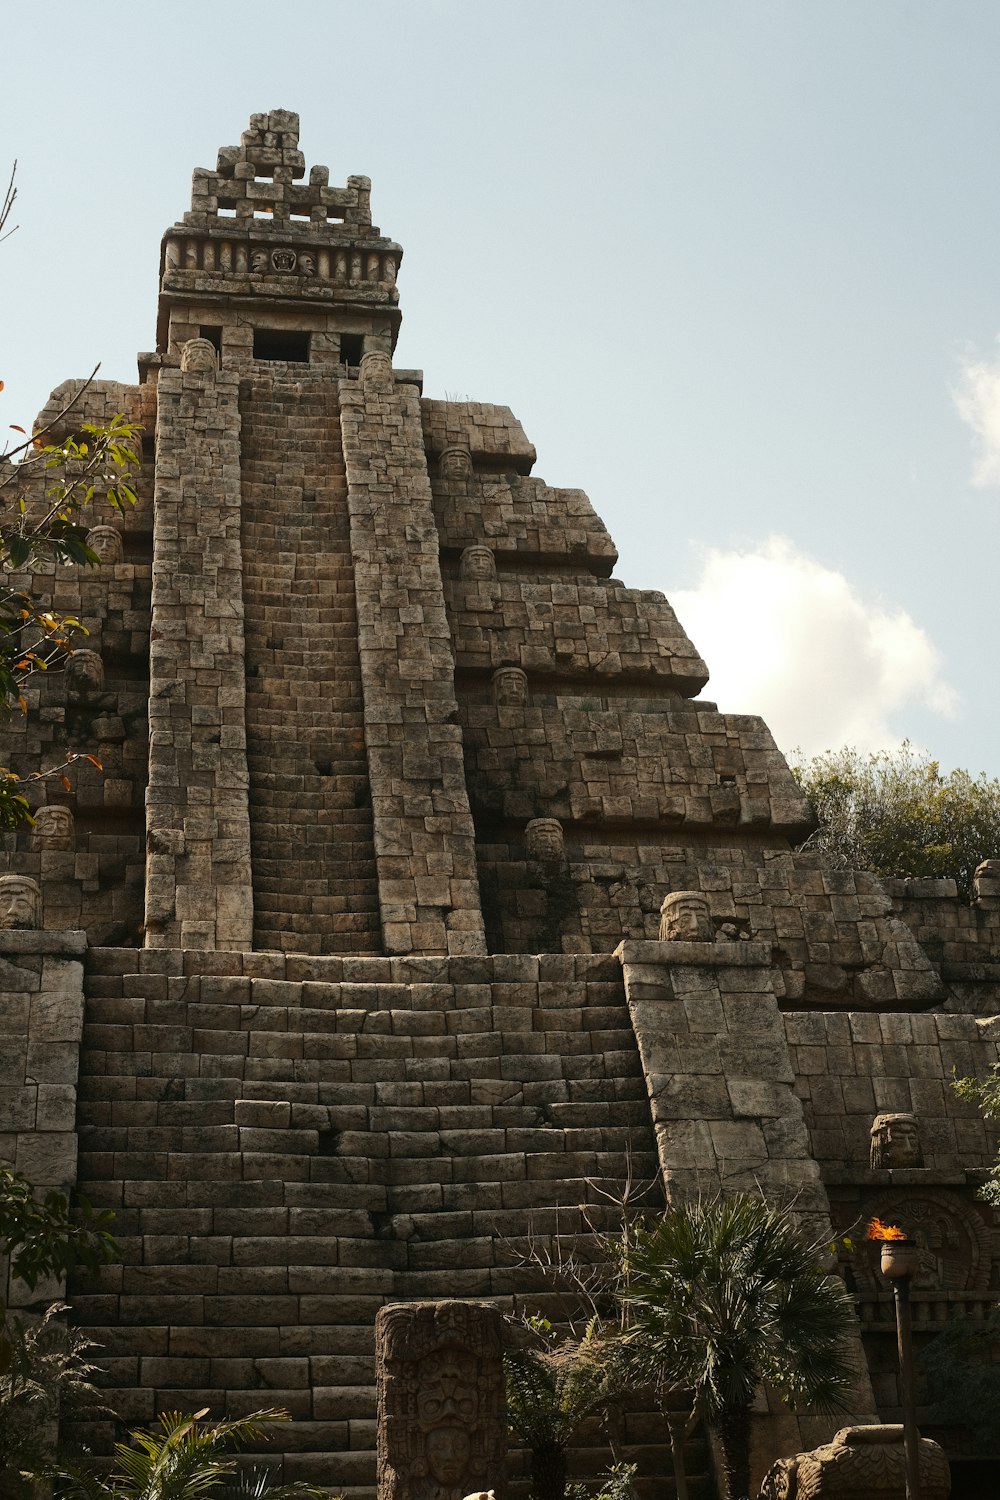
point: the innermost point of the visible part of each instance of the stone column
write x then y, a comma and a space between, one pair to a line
725, 1114
199, 892
424, 837
442, 1419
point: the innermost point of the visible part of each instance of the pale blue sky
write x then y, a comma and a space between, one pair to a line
726, 261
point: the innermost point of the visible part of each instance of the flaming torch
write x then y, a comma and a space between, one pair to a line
900, 1262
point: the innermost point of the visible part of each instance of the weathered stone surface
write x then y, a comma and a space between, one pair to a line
865, 1461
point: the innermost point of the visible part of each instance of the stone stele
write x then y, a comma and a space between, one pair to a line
442, 1431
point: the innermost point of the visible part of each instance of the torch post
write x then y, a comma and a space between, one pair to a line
900, 1264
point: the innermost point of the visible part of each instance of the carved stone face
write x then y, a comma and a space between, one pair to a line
260, 262
283, 260
307, 264
106, 542
448, 1452
685, 918
510, 685
376, 371
20, 904
447, 1390
544, 838
54, 829
199, 354
895, 1141
85, 674
455, 464
477, 563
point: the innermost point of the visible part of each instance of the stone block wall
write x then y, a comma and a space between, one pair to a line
41, 1025
290, 1142
198, 885
424, 837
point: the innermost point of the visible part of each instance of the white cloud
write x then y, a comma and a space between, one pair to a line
793, 641
977, 401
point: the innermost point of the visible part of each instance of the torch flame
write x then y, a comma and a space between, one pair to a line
879, 1231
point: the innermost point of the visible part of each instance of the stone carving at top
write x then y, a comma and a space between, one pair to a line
106, 541
199, 354
376, 371
478, 563
441, 1413
509, 686
84, 676
20, 904
54, 829
545, 840
455, 464
266, 171
986, 883
895, 1141
860, 1461
685, 918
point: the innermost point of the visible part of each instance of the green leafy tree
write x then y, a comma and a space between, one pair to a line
42, 1237
46, 1373
894, 813
44, 488
985, 1092
184, 1458
554, 1385
723, 1298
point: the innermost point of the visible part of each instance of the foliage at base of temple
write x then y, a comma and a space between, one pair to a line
184, 1459
44, 489
43, 1237
894, 813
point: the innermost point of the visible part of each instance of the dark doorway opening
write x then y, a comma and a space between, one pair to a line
287, 344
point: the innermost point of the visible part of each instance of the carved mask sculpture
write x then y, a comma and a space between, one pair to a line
376, 372
544, 838
54, 829
895, 1141
510, 685
477, 563
106, 541
455, 464
685, 918
199, 354
84, 675
20, 903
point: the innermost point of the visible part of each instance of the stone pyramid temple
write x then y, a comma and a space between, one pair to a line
423, 906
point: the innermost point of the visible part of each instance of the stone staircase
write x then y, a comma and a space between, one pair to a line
315, 889
289, 1142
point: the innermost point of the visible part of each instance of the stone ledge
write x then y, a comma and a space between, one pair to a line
68, 943
695, 955
866, 1177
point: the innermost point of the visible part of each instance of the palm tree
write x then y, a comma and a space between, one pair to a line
724, 1297
184, 1460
